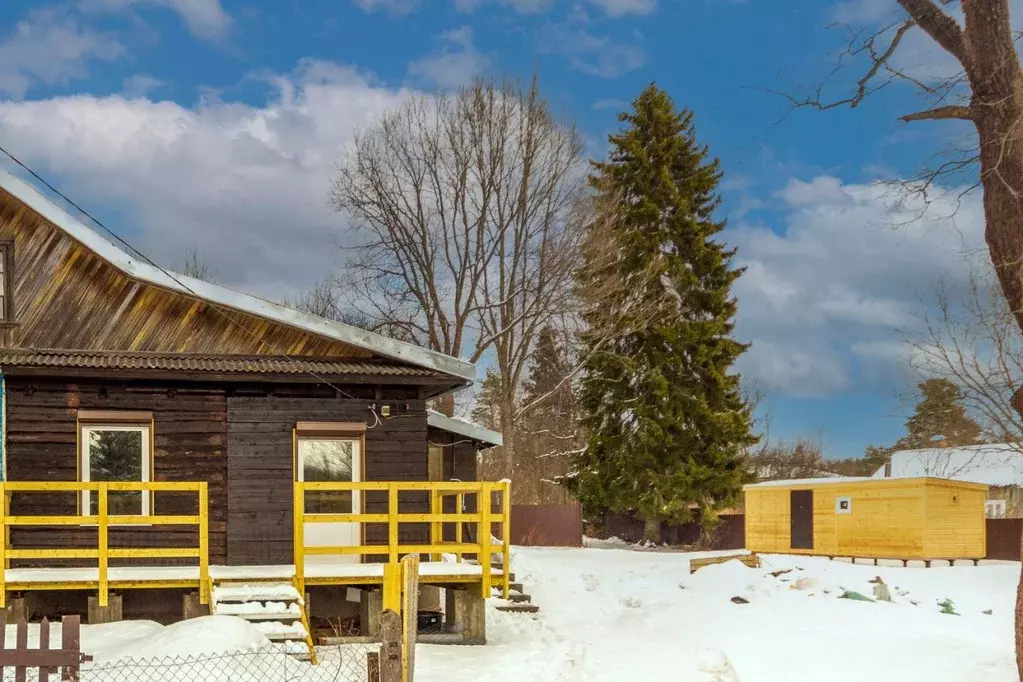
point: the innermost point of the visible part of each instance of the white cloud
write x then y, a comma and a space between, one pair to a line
141, 84
246, 184
519, 6
596, 55
837, 288
393, 7
50, 47
618, 8
204, 18
455, 63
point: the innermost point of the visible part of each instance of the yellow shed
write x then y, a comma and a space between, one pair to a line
883, 518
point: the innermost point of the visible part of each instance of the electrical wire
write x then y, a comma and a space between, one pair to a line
263, 343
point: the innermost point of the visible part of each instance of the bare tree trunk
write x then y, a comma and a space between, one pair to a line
652, 530
508, 434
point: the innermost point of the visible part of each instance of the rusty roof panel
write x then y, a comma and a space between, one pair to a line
190, 362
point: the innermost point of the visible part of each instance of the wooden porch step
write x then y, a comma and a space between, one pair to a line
519, 598
519, 608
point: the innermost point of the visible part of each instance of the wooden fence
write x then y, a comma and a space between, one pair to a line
547, 525
1003, 538
730, 533
45, 659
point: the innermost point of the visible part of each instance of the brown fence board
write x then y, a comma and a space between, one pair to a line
1003, 539
547, 525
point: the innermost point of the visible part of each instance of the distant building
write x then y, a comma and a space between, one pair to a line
999, 465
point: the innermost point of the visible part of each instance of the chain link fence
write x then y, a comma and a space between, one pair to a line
341, 663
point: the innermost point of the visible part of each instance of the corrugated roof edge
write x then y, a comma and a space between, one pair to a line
221, 295
463, 428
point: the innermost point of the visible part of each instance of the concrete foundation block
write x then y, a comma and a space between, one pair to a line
192, 607
964, 562
891, 562
467, 614
865, 562
940, 563
843, 559
916, 563
369, 612
111, 613
17, 610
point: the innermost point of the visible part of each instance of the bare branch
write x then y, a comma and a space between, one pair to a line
940, 113
942, 28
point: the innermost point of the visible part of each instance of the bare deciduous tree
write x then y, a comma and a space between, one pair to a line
988, 92
195, 265
463, 205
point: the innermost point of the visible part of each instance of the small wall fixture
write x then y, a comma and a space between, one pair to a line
843, 505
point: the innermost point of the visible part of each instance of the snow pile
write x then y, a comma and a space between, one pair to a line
138, 640
256, 608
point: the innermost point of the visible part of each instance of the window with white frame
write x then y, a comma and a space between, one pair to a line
994, 509
329, 459
116, 452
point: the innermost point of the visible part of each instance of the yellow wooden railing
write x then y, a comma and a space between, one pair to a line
482, 520
103, 521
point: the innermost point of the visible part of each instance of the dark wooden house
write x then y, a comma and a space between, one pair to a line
117, 372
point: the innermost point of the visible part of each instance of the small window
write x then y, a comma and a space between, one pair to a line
116, 452
994, 509
843, 505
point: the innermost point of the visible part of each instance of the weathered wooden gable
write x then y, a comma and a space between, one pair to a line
66, 296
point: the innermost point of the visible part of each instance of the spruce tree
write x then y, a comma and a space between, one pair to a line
666, 424
939, 416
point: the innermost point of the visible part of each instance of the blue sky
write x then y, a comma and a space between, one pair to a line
214, 123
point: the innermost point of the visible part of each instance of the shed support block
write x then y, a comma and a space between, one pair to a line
16, 610
192, 607
370, 607
111, 613
466, 612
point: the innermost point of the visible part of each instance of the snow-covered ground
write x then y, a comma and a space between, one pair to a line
610, 613
619, 615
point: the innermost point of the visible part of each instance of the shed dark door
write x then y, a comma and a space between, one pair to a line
802, 519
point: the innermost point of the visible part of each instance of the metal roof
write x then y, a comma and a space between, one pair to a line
223, 296
463, 428
225, 364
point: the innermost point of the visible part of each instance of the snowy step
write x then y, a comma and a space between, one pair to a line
256, 592
276, 632
519, 608
256, 610
519, 598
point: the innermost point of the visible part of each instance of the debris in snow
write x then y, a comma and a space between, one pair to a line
781, 572
806, 583
739, 600
855, 596
948, 607
987, 612
632, 603
881, 591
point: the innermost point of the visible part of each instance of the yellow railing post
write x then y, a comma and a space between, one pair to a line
460, 503
299, 538
204, 542
5, 511
436, 527
506, 537
392, 587
392, 522
484, 537
104, 546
